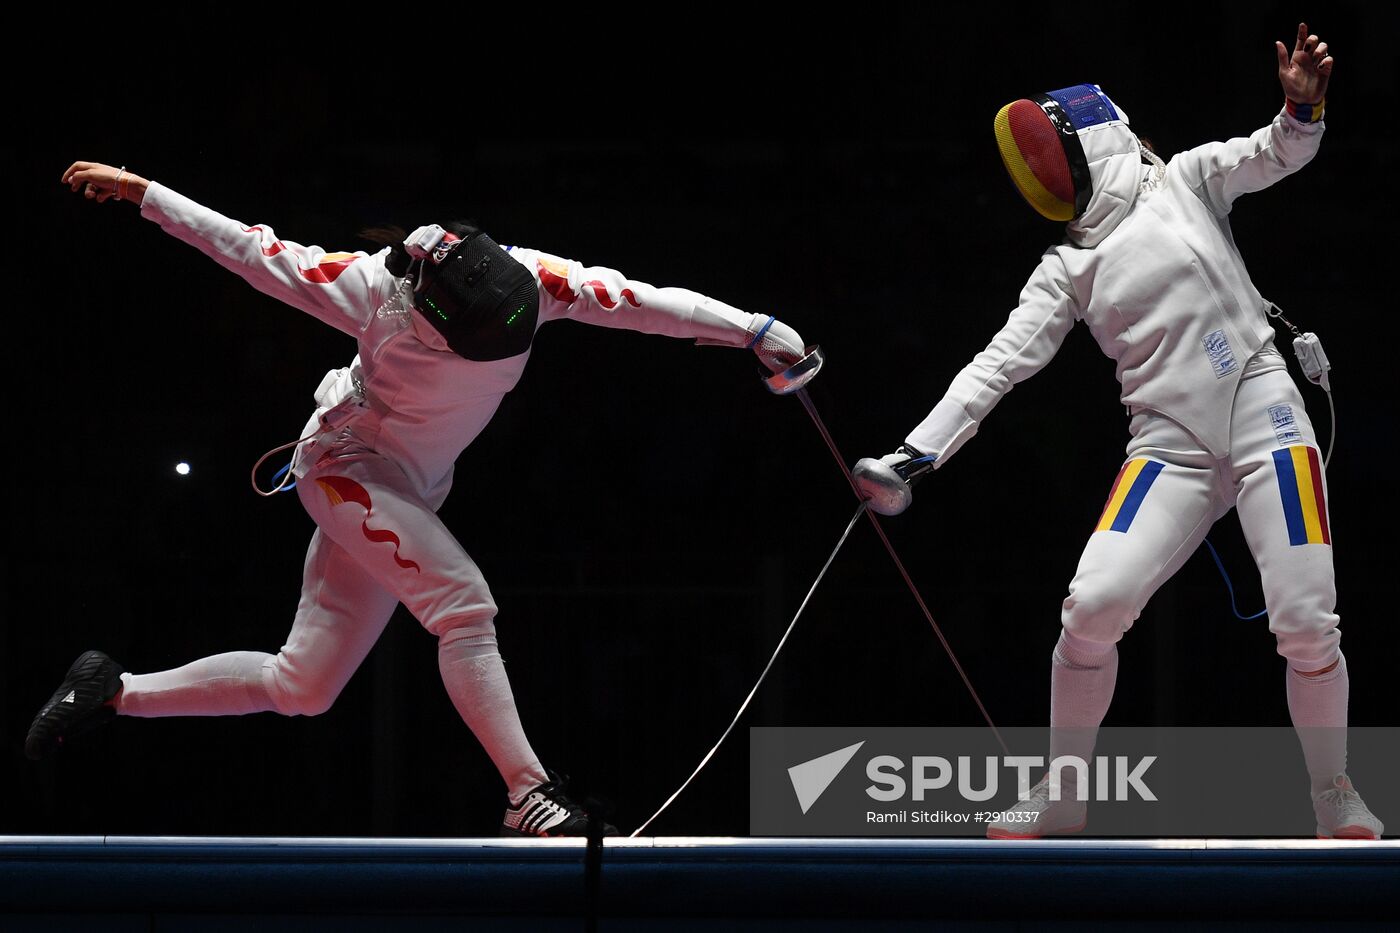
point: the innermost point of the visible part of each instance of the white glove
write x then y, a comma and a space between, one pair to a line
777, 344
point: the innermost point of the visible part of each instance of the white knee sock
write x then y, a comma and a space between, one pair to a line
223, 685
475, 677
1082, 677
1318, 706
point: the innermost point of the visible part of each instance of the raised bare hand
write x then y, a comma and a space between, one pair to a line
1304, 74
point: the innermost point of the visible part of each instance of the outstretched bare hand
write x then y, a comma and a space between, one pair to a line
1304, 74
100, 182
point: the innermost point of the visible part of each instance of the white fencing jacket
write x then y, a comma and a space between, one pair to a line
422, 404
1156, 276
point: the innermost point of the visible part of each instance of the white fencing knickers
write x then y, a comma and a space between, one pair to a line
1169, 493
378, 543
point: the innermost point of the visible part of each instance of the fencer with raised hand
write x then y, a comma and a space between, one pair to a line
1148, 263
443, 320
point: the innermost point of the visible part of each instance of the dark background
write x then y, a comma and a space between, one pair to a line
647, 514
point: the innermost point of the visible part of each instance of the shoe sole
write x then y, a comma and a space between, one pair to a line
608, 831
1005, 834
47, 733
1347, 832
517, 834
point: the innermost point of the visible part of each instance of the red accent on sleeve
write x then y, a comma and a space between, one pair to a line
325, 273
631, 298
600, 292
556, 284
272, 250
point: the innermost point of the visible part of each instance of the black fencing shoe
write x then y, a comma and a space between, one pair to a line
77, 706
548, 811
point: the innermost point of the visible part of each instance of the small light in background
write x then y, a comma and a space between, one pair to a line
182, 468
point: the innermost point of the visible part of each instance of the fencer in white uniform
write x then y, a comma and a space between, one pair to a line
1150, 266
375, 464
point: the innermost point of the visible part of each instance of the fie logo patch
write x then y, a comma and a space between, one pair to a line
1218, 351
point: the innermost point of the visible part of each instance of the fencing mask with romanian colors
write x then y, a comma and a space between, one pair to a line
1040, 146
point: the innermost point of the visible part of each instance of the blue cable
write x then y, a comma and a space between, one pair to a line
1230, 586
281, 473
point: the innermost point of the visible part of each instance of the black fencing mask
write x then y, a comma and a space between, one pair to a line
483, 302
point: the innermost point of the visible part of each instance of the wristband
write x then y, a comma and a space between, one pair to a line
117, 185
1305, 113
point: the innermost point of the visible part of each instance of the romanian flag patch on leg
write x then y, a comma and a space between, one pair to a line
1129, 489
1299, 471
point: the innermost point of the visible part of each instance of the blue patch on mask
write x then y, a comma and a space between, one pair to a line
1085, 104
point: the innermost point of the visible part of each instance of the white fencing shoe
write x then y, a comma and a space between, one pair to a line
1342, 814
1038, 815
